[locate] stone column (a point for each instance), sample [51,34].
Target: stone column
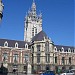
[28,69]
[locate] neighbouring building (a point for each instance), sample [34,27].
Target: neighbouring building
[37,49]
[1,9]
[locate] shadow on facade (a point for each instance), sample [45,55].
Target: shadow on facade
[3,70]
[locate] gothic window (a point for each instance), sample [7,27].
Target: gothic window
[26,58]
[5,56]
[47,58]
[6,44]
[35,31]
[32,49]
[55,59]
[32,32]
[38,48]
[38,58]
[47,46]
[63,60]
[70,60]
[15,58]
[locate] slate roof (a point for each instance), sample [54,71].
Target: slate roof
[11,43]
[40,36]
[59,47]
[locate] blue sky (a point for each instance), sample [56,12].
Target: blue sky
[58,19]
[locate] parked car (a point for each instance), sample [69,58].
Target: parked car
[68,72]
[73,70]
[48,73]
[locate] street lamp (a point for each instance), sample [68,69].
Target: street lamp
[1,9]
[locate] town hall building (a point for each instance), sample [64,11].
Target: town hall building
[37,52]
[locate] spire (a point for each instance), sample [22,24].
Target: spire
[33,6]
[40,15]
[33,9]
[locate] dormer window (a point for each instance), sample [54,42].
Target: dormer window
[16,45]
[6,44]
[62,49]
[55,49]
[69,50]
[26,46]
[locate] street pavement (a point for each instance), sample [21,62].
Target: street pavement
[20,74]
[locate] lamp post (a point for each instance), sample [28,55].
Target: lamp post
[1,9]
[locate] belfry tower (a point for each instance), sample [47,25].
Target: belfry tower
[33,23]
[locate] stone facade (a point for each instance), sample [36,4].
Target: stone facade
[14,57]
[64,57]
[37,51]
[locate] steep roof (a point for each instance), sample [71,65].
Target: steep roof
[40,36]
[59,47]
[11,43]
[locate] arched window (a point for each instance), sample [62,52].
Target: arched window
[69,50]
[35,31]
[26,45]
[55,49]
[62,49]
[6,44]
[16,45]
[47,46]
[15,58]
[5,56]
[32,32]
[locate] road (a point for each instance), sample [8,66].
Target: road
[20,74]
